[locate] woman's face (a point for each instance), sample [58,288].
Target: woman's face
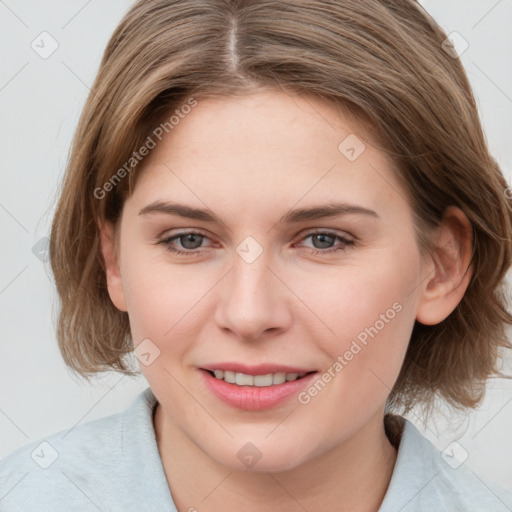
[302,259]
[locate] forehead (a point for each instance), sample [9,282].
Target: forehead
[266,123]
[270,148]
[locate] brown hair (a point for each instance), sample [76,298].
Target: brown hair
[382,60]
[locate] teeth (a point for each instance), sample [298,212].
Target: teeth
[229,377]
[244,380]
[279,378]
[263,380]
[270,379]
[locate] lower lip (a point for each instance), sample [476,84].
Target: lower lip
[253,398]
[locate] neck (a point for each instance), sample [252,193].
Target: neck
[353,476]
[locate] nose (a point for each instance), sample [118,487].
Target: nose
[254,302]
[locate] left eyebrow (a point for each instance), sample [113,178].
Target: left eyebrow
[324,211]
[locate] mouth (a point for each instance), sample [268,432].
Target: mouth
[255,388]
[266,380]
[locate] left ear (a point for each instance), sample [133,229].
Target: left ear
[448,275]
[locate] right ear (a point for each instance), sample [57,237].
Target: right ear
[112,271]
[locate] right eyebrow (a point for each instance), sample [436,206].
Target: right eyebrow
[180,210]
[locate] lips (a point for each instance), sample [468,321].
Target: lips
[255,387]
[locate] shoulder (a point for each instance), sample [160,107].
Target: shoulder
[425,478]
[66,461]
[90,467]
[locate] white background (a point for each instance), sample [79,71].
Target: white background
[40,101]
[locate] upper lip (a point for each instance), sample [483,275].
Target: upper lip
[258,369]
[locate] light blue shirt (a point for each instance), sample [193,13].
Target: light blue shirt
[113,464]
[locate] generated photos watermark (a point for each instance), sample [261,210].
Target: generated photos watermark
[357,345]
[150,143]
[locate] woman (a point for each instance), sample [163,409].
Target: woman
[288,212]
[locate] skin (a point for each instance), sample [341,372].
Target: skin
[250,160]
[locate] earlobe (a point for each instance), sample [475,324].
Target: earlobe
[449,272]
[112,270]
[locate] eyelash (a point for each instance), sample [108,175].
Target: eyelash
[345,243]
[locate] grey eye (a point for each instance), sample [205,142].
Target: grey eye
[188,242]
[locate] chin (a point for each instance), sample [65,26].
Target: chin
[258,456]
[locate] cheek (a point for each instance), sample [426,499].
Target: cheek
[162,299]
[368,314]
[151,296]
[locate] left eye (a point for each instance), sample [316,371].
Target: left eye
[192,240]
[324,241]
